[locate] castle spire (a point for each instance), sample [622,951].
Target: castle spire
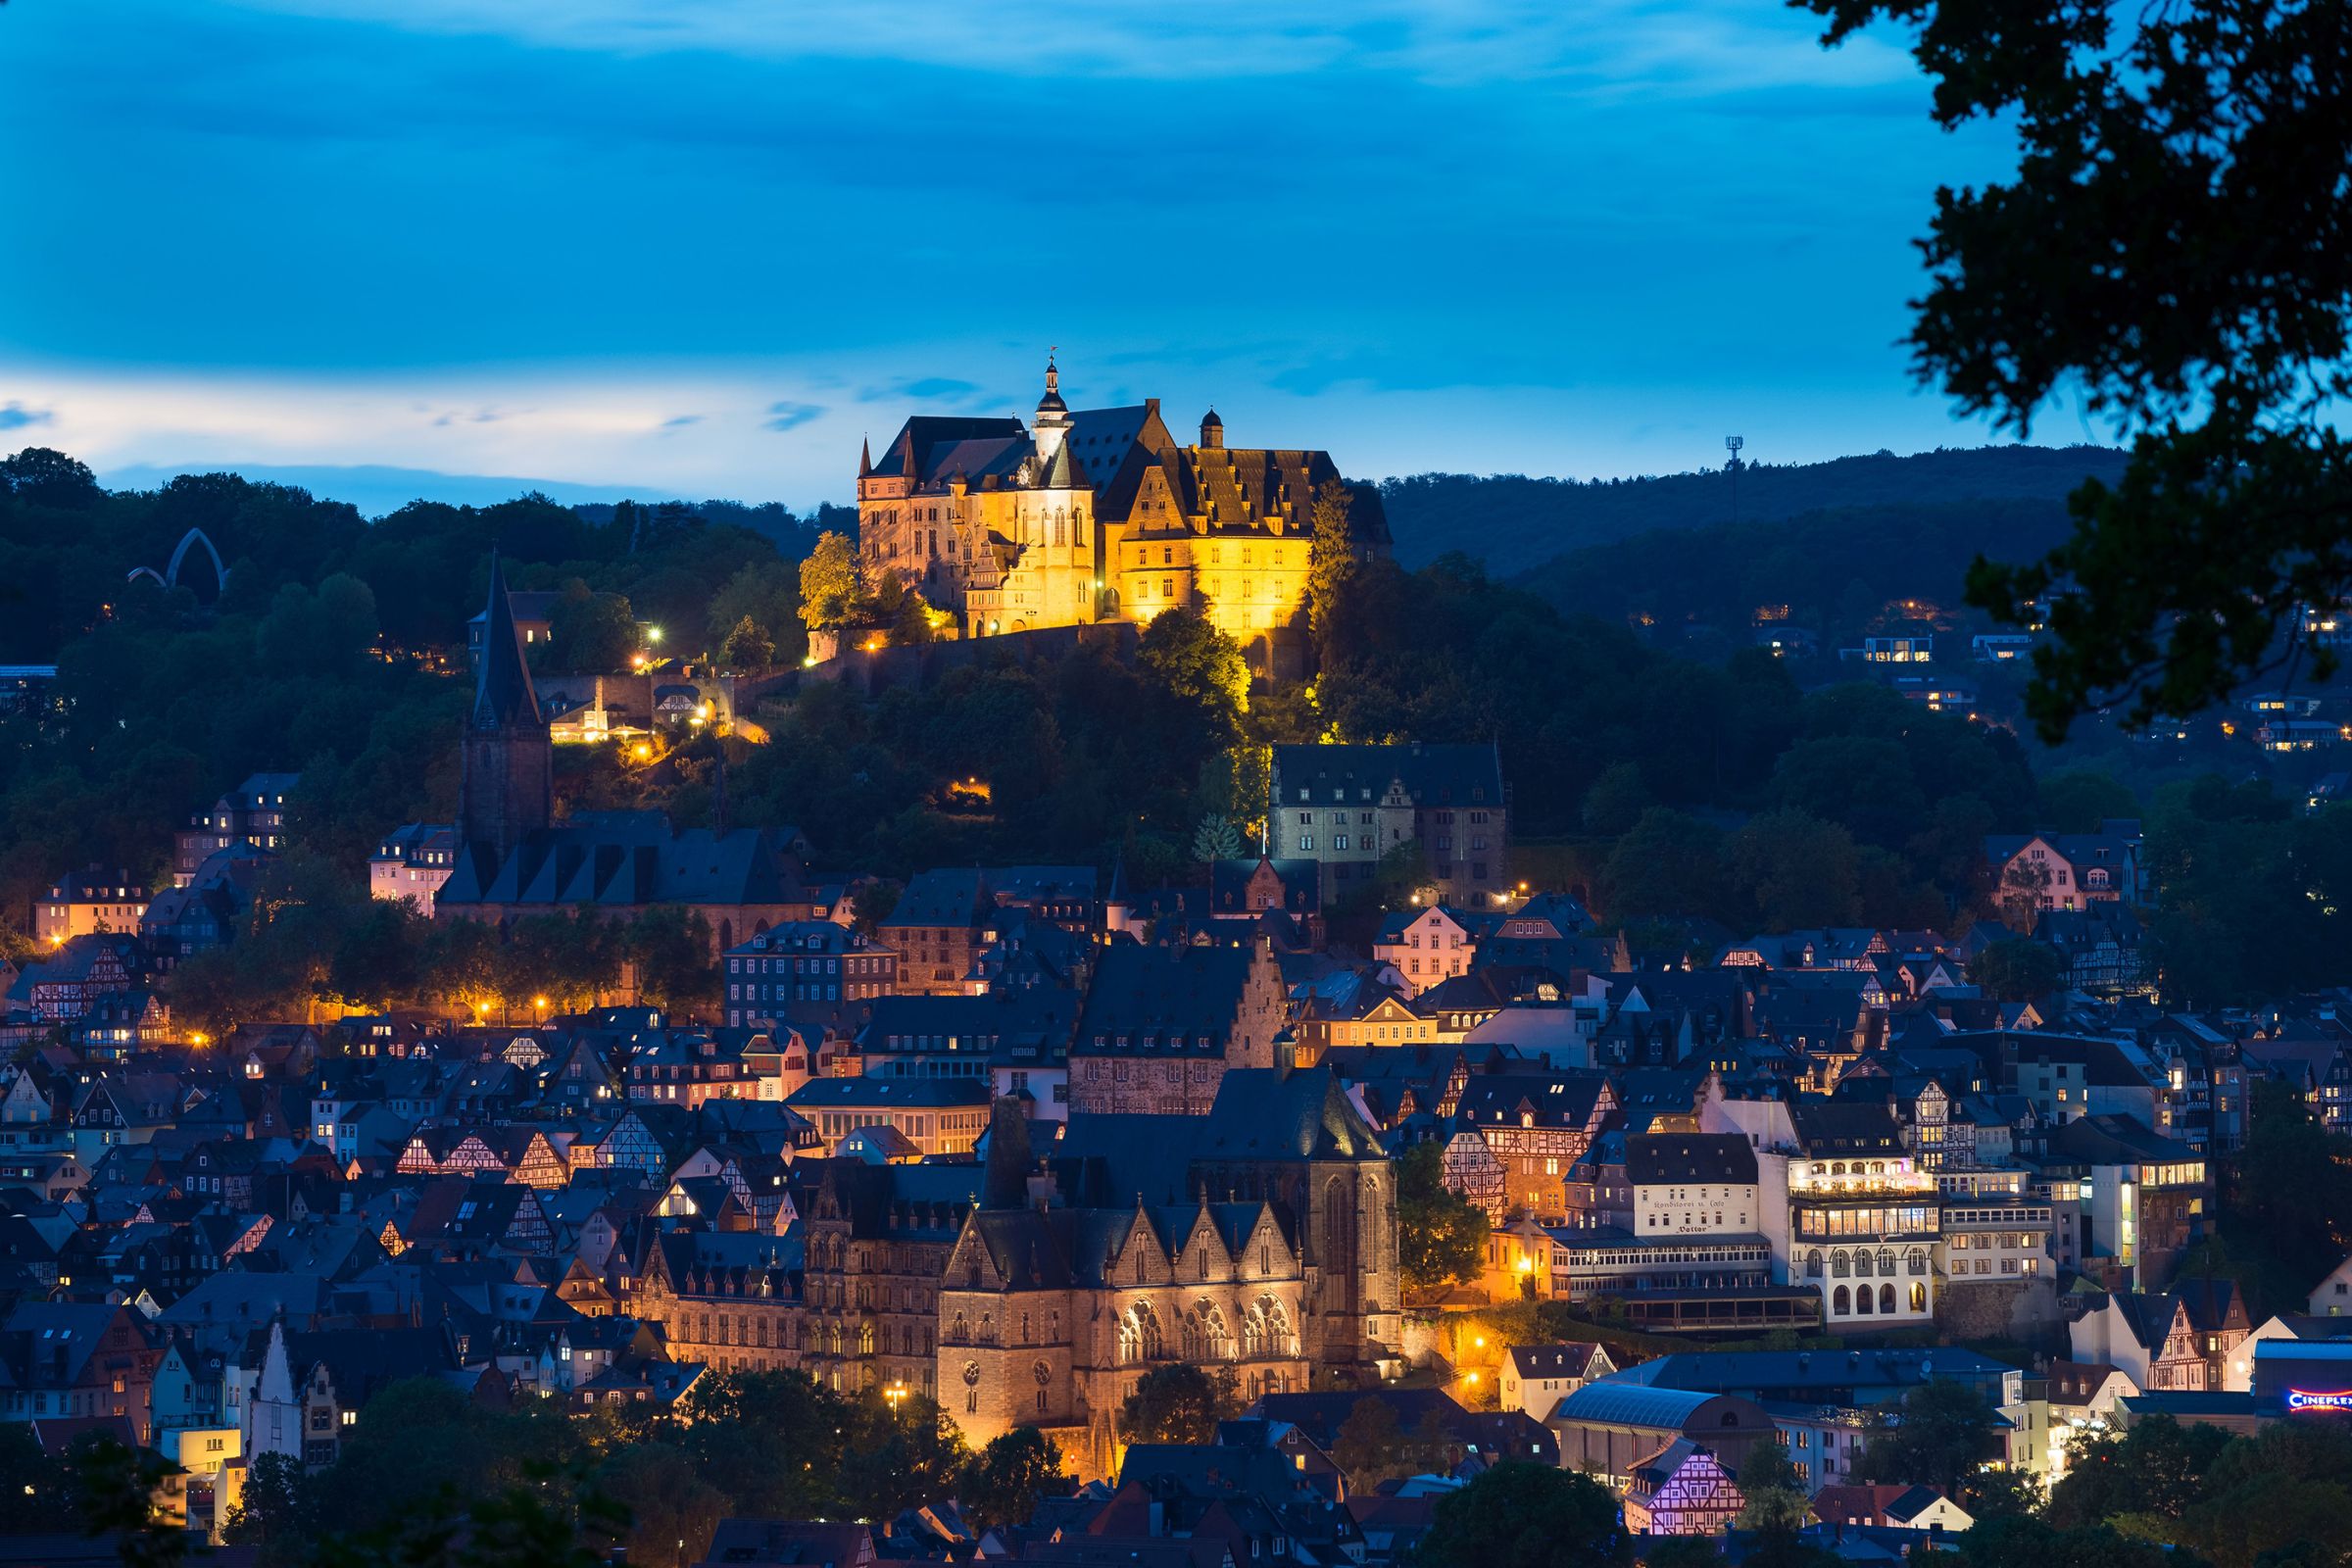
[865,457]
[1052,422]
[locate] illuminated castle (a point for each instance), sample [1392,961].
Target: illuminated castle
[1097,516]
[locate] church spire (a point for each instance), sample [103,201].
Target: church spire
[505,786]
[502,694]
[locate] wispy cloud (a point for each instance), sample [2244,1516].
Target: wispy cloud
[1699,42]
[790,416]
[16,416]
[681,421]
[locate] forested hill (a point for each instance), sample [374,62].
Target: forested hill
[1516,524]
[1836,572]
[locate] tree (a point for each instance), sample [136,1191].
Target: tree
[1797,872]
[273,1509]
[2017,969]
[872,902]
[1179,1402]
[1940,1435]
[897,1456]
[747,647]
[40,476]
[1441,1235]
[1669,865]
[2287,1199]
[2156,1470]
[670,950]
[1616,800]
[1004,1480]
[1184,653]
[831,585]
[2222,356]
[2079,800]
[766,593]
[1774,1496]
[1683,1551]
[1521,1515]
[1331,557]
[1216,839]
[591,632]
[2019,1541]
[2025,884]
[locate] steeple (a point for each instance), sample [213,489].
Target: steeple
[505,789]
[865,457]
[501,691]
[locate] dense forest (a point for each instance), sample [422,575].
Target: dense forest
[325,650]
[1516,524]
[1658,782]
[1837,572]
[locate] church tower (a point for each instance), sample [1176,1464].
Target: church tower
[507,789]
[1052,423]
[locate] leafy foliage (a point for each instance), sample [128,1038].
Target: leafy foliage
[2017,969]
[2137,128]
[1179,1402]
[1520,1515]
[1441,1235]
[1941,1435]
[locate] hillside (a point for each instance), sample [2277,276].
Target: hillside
[1516,524]
[1835,571]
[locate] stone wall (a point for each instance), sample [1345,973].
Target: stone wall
[1974,1309]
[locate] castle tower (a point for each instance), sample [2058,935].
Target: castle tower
[507,788]
[1213,432]
[1052,422]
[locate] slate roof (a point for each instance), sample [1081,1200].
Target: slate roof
[1432,774]
[629,858]
[1156,998]
[1690,1159]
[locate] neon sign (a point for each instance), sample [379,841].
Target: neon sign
[2316,1399]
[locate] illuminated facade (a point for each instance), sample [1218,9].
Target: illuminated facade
[1098,514]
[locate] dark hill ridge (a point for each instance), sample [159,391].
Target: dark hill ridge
[1833,571]
[1516,524]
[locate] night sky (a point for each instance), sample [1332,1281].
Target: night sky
[703,246]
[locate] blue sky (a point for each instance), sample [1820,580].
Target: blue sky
[703,246]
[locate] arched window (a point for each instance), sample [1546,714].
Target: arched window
[1813,1264]
[1886,1262]
[1917,1260]
[1862,1300]
[1841,1303]
[1842,1263]
[865,1339]
[1862,1261]
[1919,1297]
[1886,1298]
